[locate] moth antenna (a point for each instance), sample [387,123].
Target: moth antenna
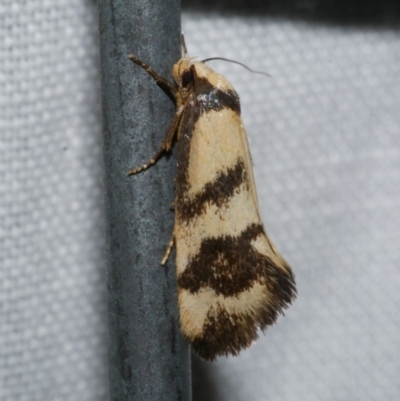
[184,48]
[236,62]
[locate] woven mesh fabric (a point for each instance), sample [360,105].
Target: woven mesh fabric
[52,296]
[325,138]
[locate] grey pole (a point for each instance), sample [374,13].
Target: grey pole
[148,357]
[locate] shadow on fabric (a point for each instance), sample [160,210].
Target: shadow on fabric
[380,13]
[203,386]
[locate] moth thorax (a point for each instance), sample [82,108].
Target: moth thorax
[181,72]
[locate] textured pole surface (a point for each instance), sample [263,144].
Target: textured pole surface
[148,357]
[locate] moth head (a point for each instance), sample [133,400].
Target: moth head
[183,73]
[187,73]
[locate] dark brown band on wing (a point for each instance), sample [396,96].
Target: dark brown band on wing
[204,98]
[210,98]
[216,192]
[230,265]
[227,333]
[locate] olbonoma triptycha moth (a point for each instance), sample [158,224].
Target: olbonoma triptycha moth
[232,280]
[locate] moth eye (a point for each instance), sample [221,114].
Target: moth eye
[187,78]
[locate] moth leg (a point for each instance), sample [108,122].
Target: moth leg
[168,250]
[164,83]
[166,145]
[148,164]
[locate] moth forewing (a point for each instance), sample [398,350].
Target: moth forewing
[231,279]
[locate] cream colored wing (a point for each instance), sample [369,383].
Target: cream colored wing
[231,279]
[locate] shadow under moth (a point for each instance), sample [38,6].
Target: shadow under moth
[232,280]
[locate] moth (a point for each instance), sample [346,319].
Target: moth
[232,281]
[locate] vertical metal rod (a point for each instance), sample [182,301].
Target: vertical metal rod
[148,357]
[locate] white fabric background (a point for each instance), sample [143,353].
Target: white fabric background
[52,295]
[325,137]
